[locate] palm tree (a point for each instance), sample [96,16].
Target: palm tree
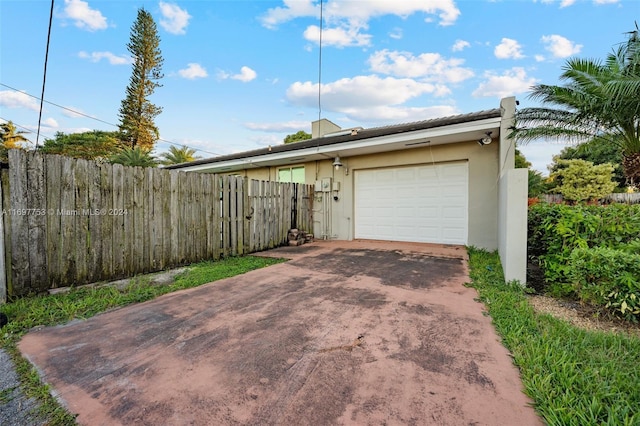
[598,101]
[134,157]
[11,136]
[178,155]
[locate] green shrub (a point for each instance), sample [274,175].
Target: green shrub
[580,180]
[555,230]
[608,278]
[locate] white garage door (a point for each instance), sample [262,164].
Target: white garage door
[427,203]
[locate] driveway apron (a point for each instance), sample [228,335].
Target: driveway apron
[344,333]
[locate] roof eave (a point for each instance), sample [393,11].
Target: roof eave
[454,133]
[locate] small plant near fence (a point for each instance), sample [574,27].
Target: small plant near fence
[607,277]
[590,253]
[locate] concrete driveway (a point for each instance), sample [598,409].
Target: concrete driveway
[363,333]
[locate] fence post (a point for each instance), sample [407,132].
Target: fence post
[3,271]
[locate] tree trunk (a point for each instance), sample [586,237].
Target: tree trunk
[631,167]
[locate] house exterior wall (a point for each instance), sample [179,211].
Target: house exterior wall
[483,182]
[513,224]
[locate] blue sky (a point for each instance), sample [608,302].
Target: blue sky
[243,74]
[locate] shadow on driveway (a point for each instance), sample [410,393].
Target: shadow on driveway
[343,333]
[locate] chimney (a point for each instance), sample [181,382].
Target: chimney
[323,126]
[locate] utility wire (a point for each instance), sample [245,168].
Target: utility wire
[59,106]
[97,119]
[320,67]
[16,124]
[28,130]
[44,74]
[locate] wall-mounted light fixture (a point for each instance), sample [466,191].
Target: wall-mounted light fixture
[486,140]
[337,163]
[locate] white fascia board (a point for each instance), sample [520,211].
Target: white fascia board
[330,151]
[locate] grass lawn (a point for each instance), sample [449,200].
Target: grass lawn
[575,377]
[85,302]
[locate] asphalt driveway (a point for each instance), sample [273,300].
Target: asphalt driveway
[344,333]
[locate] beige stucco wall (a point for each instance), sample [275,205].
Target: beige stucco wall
[483,186]
[266,173]
[512,213]
[512,232]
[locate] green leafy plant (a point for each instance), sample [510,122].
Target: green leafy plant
[555,230]
[608,278]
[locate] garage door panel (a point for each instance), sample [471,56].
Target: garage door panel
[428,212]
[426,172]
[405,213]
[453,213]
[427,203]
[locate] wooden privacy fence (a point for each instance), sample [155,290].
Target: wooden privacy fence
[624,198]
[71,222]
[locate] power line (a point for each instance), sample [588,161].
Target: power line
[320,67]
[59,106]
[28,130]
[44,74]
[99,120]
[16,124]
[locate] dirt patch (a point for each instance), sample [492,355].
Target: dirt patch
[581,315]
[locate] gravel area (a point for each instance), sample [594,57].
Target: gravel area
[581,315]
[15,408]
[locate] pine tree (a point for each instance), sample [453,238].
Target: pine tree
[137,113]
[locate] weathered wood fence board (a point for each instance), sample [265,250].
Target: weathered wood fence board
[623,198]
[71,222]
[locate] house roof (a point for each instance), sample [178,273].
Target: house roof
[458,128]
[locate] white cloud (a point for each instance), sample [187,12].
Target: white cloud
[343,36]
[346,20]
[51,122]
[84,16]
[559,46]
[364,98]
[245,75]
[288,126]
[567,3]
[539,58]
[563,3]
[396,34]
[508,49]
[460,45]
[13,99]
[510,83]
[292,9]
[427,66]
[193,71]
[370,99]
[112,58]
[175,19]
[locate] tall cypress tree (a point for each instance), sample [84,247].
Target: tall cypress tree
[137,113]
